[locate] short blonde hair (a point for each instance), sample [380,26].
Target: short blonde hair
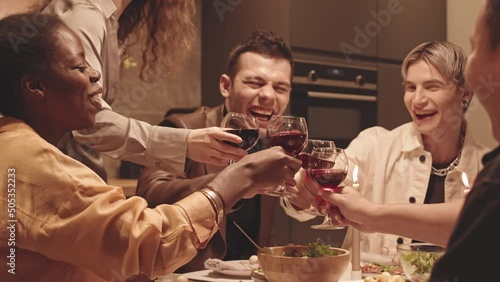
[446,57]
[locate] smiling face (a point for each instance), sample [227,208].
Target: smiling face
[70,86]
[482,71]
[433,102]
[261,87]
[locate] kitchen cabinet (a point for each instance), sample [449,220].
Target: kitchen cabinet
[407,23]
[385,29]
[391,108]
[224,24]
[373,30]
[333,26]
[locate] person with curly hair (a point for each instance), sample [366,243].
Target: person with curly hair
[107,28]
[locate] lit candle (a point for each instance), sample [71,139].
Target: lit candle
[356,250]
[465,180]
[355,177]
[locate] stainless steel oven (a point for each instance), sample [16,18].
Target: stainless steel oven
[338,101]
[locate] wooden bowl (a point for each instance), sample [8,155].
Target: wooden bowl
[279,268]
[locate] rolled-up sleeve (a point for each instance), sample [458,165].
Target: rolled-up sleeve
[128,139]
[115,135]
[112,235]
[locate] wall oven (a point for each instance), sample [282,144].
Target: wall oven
[338,101]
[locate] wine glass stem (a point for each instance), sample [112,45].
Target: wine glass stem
[281,188]
[328,217]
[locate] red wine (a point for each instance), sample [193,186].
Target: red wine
[249,136]
[291,141]
[328,178]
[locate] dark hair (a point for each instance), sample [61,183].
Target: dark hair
[264,43]
[168,28]
[27,46]
[492,15]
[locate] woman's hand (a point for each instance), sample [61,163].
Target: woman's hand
[207,145]
[256,172]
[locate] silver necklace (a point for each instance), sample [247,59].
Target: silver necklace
[454,163]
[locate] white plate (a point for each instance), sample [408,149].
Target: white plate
[236,264]
[212,276]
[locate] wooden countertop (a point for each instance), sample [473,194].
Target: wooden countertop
[128,185]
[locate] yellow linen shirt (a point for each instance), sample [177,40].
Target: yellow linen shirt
[68,225]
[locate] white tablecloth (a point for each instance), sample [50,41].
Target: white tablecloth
[210,276]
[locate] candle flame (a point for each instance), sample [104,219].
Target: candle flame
[355,174]
[465,180]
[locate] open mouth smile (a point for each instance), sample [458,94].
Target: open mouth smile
[261,114]
[424,114]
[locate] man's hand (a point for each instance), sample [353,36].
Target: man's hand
[352,207]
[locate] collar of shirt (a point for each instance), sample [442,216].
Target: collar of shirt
[108,8]
[413,140]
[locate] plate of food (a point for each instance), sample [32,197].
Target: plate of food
[391,272]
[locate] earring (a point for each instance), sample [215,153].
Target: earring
[465,105]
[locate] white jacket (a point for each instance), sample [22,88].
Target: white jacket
[395,168]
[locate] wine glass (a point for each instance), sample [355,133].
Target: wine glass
[310,145]
[304,157]
[328,168]
[245,126]
[290,133]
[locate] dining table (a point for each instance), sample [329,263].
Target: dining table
[208,275]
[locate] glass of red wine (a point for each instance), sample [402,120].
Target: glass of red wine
[245,126]
[328,168]
[308,149]
[319,206]
[290,133]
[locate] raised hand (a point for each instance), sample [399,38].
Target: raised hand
[207,145]
[260,170]
[354,208]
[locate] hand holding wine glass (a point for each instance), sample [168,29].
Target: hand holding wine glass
[290,133]
[317,206]
[328,168]
[245,126]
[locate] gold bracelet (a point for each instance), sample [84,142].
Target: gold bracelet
[219,196]
[216,202]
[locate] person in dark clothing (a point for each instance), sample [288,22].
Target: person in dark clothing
[474,245]
[257,83]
